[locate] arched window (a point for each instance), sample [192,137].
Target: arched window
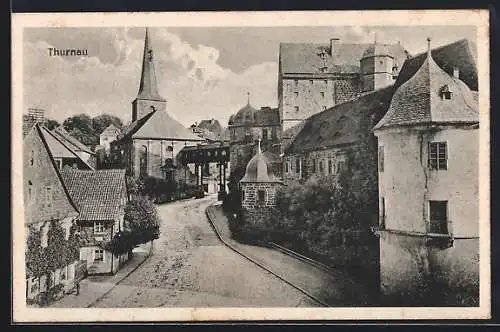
[32,158]
[143,160]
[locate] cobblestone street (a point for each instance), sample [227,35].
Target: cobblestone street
[191,267]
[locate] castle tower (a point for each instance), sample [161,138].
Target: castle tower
[258,187]
[148,99]
[376,67]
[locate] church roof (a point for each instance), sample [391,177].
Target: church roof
[246,114]
[460,54]
[419,100]
[158,125]
[148,88]
[99,195]
[258,170]
[304,58]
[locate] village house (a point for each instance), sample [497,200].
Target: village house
[108,135]
[33,116]
[249,125]
[46,199]
[314,77]
[258,189]
[63,152]
[428,186]
[150,144]
[101,197]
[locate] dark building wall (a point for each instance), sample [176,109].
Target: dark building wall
[141,107]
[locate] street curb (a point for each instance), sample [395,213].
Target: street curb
[119,281]
[207,213]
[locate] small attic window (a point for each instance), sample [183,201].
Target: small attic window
[446,92]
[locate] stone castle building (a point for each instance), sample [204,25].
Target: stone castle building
[258,189]
[428,186]
[246,127]
[150,144]
[314,77]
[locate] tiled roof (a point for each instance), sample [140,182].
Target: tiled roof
[340,124]
[419,101]
[246,114]
[99,195]
[211,125]
[304,57]
[290,134]
[250,116]
[158,125]
[460,54]
[76,144]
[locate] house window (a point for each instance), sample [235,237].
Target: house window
[286,167]
[32,158]
[261,196]
[314,165]
[242,195]
[438,217]
[324,107]
[311,81]
[321,167]
[296,82]
[381,158]
[438,156]
[446,92]
[322,94]
[99,227]
[30,191]
[99,255]
[48,196]
[143,161]
[296,94]
[58,163]
[326,82]
[330,166]
[297,165]
[264,133]
[382,213]
[296,108]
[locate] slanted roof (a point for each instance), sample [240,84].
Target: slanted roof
[110,130]
[304,57]
[460,54]
[340,124]
[75,144]
[158,125]
[419,100]
[61,148]
[267,116]
[99,195]
[259,170]
[148,88]
[212,125]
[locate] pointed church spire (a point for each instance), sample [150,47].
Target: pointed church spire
[148,89]
[429,55]
[259,150]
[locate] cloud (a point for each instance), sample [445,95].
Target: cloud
[189,76]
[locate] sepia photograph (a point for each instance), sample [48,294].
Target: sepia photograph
[208,166]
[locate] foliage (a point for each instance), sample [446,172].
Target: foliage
[122,242]
[50,124]
[142,219]
[87,129]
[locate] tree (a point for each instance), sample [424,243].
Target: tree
[51,124]
[142,219]
[101,122]
[80,127]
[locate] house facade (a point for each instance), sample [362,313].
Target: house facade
[107,136]
[101,197]
[83,151]
[428,190]
[46,200]
[150,144]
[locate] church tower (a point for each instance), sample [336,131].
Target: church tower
[376,67]
[148,98]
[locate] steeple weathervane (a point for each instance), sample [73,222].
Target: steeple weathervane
[429,46]
[259,151]
[248,98]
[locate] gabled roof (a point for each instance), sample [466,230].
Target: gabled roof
[99,195]
[75,144]
[59,147]
[110,130]
[304,57]
[419,100]
[158,125]
[340,125]
[36,133]
[460,54]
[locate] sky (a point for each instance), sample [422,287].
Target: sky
[203,72]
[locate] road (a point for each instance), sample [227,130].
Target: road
[190,267]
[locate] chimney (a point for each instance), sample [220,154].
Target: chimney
[334,42]
[456,72]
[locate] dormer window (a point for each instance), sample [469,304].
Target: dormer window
[446,92]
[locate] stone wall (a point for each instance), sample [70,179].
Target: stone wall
[250,194]
[141,107]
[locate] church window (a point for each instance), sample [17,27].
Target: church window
[314,165]
[330,168]
[321,167]
[297,165]
[286,167]
[261,196]
[143,161]
[438,217]
[438,156]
